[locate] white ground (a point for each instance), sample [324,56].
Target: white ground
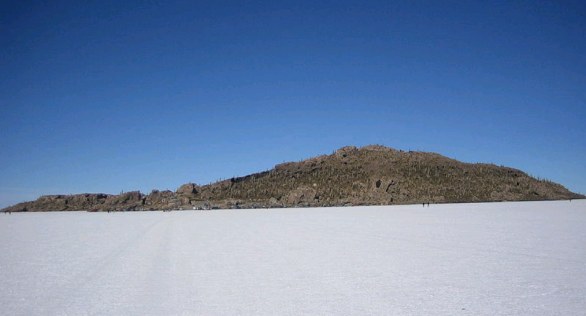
[467,259]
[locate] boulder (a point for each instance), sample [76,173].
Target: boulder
[302,195]
[188,189]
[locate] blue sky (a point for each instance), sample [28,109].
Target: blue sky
[105,96]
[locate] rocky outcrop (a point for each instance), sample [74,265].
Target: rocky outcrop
[129,201]
[302,196]
[162,200]
[370,175]
[188,189]
[74,202]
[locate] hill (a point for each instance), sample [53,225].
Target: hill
[371,175]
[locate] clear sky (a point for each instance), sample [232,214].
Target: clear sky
[105,96]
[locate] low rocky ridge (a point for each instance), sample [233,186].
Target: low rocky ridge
[371,175]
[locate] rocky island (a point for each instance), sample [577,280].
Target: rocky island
[370,175]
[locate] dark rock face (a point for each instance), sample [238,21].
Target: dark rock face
[370,175]
[188,189]
[129,201]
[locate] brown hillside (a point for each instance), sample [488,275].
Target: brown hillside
[370,175]
[381,175]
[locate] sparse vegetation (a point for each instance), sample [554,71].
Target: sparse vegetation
[371,175]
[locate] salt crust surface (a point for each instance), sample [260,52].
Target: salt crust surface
[519,258]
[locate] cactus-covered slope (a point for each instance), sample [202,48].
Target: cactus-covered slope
[369,175]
